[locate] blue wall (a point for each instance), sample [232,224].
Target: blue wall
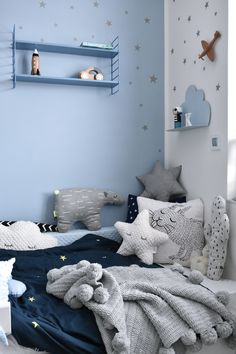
[56,136]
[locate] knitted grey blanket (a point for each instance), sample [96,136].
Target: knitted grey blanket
[144,310]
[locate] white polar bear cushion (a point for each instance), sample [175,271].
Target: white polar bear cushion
[182,222]
[24,236]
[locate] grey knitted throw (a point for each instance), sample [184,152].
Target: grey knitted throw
[144,310]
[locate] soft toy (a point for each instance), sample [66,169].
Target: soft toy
[24,236]
[140,238]
[91,73]
[84,205]
[218,239]
[177,112]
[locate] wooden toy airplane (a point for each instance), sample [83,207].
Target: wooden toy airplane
[208,47]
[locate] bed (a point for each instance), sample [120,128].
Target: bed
[44,323]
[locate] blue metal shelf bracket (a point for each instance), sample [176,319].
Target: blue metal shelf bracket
[14,56]
[115,73]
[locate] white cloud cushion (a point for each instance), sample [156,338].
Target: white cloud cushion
[5,275]
[182,222]
[140,238]
[24,236]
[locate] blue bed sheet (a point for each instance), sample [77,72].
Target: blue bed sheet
[42,321]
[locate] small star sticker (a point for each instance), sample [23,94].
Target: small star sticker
[20,27]
[174,88]
[137,67]
[72,7]
[198,33]
[218,87]
[184,61]
[147,20]
[189,18]
[145,127]
[215,13]
[42,40]
[55,25]
[194,62]
[140,105]
[137,47]
[206,4]
[96,4]
[130,82]
[204,68]
[126,12]
[75,39]
[31,299]
[184,41]
[42,4]
[172,51]
[63,258]
[93,36]
[153,78]
[108,23]
[178,18]
[35,324]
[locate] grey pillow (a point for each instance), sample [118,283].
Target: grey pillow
[162,183]
[84,205]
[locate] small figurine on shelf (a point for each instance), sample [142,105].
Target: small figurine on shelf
[188,119]
[35,63]
[177,111]
[92,73]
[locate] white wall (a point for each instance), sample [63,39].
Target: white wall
[204,172]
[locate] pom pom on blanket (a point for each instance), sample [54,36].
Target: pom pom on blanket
[166,351]
[85,293]
[176,267]
[209,336]
[189,338]
[118,342]
[223,297]
[196,347]
[82,263]
[196,277]
[94,271]
[101,295]
[224,330]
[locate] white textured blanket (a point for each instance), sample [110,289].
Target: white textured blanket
[143,310]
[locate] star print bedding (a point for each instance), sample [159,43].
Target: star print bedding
[42,321]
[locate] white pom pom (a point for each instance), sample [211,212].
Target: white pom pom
[101,295]
[196,277]
[189,338]
[53,274]
[176,267]
[196,347]
[209,336]
[166,351]
[82,263]
[223,297]
[94,271]
[120,342]
[85,293]
[224,330]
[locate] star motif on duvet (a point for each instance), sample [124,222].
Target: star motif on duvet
[35,324]
[31,299]
[63,258]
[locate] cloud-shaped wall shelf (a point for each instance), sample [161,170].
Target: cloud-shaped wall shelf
[196,104]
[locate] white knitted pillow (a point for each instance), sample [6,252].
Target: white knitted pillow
[5,275]
[25,236]
[182,222]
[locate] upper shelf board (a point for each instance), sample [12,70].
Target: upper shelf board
[63,49]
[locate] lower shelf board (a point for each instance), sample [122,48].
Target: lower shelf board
[65,81]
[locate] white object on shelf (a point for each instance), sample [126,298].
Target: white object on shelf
[5,317]
[188,119]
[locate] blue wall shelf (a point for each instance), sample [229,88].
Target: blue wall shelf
[112,54]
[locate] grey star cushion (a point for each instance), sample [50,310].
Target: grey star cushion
[161,183]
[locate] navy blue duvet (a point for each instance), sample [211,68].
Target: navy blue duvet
[42,321]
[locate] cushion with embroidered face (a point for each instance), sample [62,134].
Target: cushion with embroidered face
[24,236]
[183,223]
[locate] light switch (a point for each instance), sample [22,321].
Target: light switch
[215,142]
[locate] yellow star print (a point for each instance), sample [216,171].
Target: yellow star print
[31,299]
[35,324]
[63,258]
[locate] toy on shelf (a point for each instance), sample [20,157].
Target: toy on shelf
[177,111]
[92,73]
[208,47]
[35,63]
[188,119]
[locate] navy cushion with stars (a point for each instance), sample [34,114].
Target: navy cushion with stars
[133,205]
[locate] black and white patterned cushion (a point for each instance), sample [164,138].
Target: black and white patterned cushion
[43,227]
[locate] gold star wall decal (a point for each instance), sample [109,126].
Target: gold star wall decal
[147,20]
[35,324]
[31,298]
[63,258]
[153,78]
